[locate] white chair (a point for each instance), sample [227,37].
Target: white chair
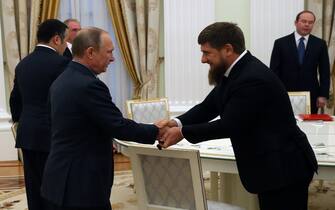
[148,111]
[301,102]
[170,180]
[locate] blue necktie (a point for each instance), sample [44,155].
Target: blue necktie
[301,50]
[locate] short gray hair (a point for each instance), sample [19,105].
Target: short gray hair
[67,21]
[87,37]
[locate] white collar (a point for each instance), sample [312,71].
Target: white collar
[47,46]
[69,46]
[298,36]
[226,74]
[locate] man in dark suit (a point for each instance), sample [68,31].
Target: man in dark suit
[74,27]
[79,170]
[273,156]
[28,103]
[300,58]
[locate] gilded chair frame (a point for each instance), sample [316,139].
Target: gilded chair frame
[130,103]
[306,94]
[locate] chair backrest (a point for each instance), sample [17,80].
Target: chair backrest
[148,111]
[301,102]
[167,179]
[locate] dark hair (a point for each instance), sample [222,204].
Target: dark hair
[220,33]
[49,29]
[302,12]
[88,37]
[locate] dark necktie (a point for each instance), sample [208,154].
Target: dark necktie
[301,50]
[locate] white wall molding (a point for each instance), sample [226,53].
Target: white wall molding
[186,81]
[7,144]
[270,20]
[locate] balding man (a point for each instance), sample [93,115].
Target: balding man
[301,61]
[74,27]
[79,171]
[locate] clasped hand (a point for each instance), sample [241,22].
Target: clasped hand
[169,133]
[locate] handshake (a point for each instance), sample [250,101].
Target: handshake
[169,133]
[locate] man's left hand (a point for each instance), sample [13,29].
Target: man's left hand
[321,102]
[171,137]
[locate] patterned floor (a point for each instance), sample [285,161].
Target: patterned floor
[124,198]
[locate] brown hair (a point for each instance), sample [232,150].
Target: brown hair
[302,12]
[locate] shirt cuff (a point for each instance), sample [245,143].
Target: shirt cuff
[178,122]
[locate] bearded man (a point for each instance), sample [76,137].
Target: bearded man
[273,156]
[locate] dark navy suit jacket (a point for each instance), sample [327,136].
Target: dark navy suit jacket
[284,62]
[79,169]
[255,113]
[67,53]
[29,97]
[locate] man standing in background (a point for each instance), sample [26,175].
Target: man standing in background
[74,27]
[28,104]
[301,61]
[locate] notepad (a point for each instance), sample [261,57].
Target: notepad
[323,117]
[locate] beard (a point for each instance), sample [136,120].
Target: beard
[216,73]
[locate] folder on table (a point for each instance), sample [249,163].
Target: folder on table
[323,117]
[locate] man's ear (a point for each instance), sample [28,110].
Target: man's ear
[90,52]
[56,40]
[228,48]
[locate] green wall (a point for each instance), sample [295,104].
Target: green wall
[236,11]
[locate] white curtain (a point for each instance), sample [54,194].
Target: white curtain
[95,13]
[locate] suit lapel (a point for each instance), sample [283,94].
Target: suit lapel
[67,53]
[224,90]
[309,48]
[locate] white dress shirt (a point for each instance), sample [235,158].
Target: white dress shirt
[297,39]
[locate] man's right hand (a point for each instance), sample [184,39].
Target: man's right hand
[164,126]
[168,123]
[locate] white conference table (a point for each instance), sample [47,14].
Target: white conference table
[217,156]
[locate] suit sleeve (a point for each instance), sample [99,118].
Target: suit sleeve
[244,106]
[103,112]
[324,71]
[15,101]
[275,59]
[203,112]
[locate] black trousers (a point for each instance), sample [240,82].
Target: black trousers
[34,162]
[294,197]
[51,206]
